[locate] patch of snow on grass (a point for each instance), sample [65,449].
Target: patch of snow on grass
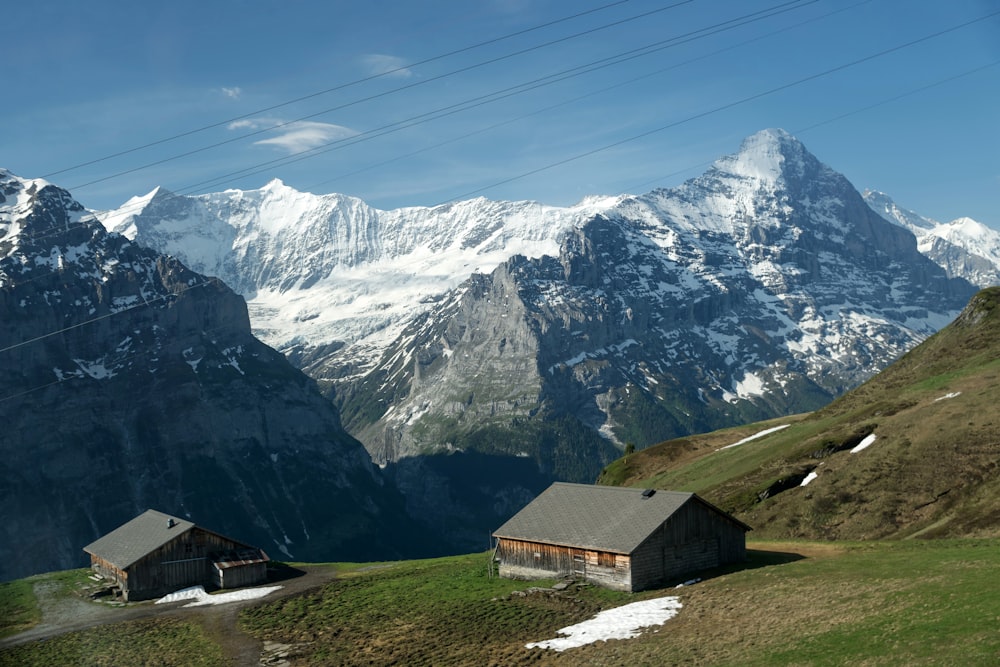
[767,431]
[201,598]
[864,444]
[948,395]
[623,622]
[810,477]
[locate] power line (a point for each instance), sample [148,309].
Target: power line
[303,98]
[598,91]
[704,32]
[465,105]
[833,119]
[511,91]
[376,96]
[827,121]
[723,107]
[521,88]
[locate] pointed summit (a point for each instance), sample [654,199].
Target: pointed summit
[275,184]
[769,155]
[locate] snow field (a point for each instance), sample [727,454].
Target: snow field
[810,477]
[623,622]
[201,598]
[761,434]
[864,444]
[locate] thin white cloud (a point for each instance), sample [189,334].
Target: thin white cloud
[304,135]
[233,93]
[378,63]
[243,125]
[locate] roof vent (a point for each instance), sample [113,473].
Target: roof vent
[648,493]
[170,522]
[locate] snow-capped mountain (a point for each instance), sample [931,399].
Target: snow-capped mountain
[128,381]
[963,247]
[331,272]
[768,232]
[544,338]
[762,287]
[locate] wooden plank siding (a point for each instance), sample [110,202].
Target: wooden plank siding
[239,576]
[183,561]
[534,560]
[694,538]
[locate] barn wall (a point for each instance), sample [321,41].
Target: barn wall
[694,538]
[108,570]
[533,560]
[182,562]
[240,575]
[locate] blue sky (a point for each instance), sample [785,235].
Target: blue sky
[208,84]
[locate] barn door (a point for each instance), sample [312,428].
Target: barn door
[579,563]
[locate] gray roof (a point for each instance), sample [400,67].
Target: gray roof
[605,518]
[128,543]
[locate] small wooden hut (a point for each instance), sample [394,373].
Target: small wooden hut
[621,538]
[155,554]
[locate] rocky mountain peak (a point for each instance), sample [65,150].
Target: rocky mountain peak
[770,155]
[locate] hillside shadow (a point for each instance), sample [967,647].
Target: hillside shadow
[278,572]
[756,559]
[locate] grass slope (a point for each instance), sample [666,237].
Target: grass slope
[878,603]
[18,607]
[931,471]
[146,642]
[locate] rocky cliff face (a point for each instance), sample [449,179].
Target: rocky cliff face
[129,382]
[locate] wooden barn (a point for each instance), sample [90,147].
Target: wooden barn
[621,538]
[155,554]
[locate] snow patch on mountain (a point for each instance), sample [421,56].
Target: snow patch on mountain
[974,236]
[321,269]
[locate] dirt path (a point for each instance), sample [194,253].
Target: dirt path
[63,613]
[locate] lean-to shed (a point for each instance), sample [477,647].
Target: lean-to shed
[155,554]
[621,538]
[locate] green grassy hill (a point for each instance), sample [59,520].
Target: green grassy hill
[931,470]
[880,603]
